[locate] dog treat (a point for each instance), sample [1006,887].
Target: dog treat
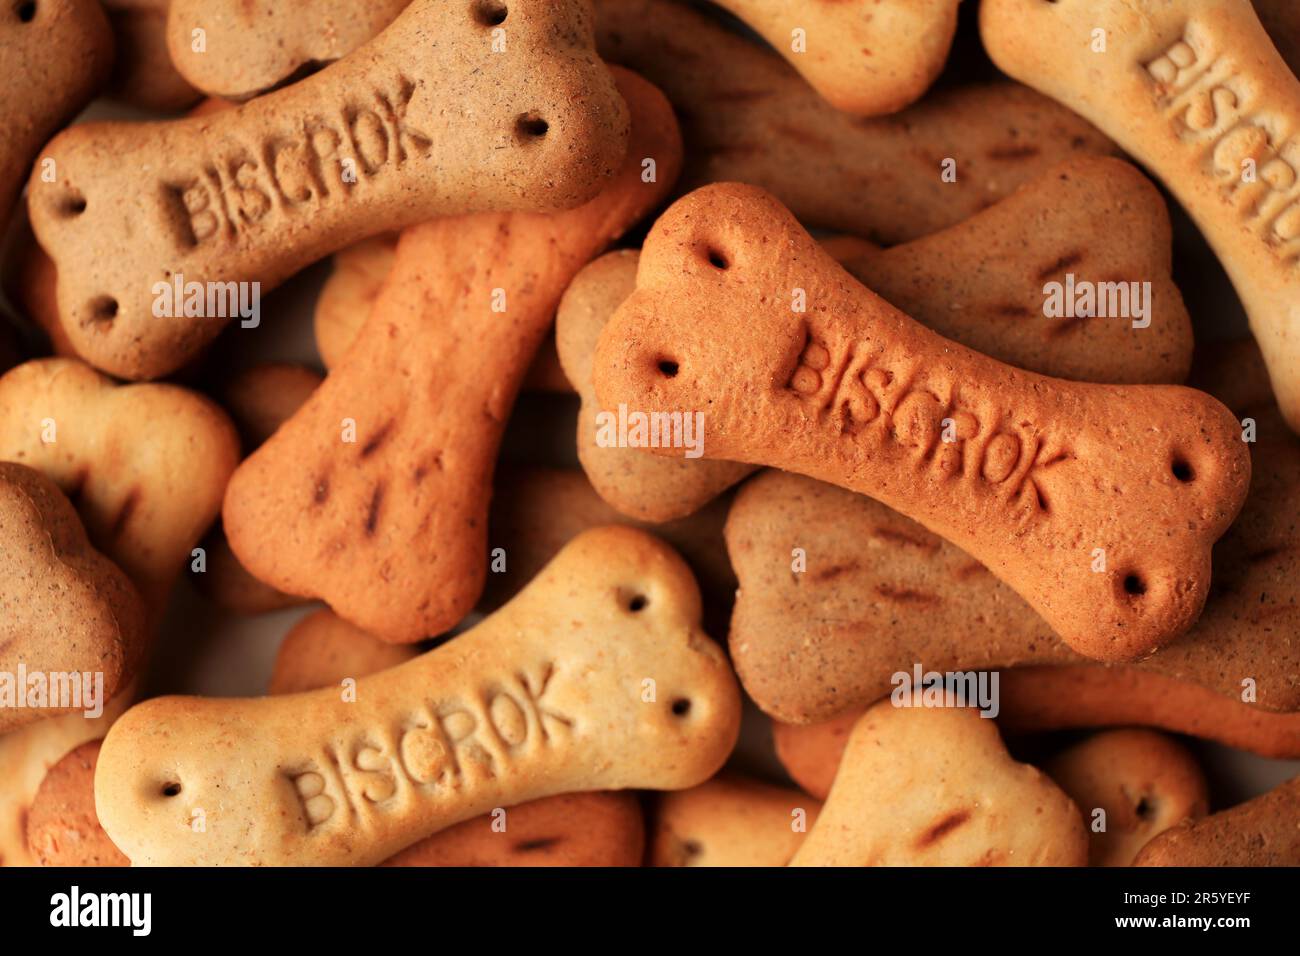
[64,607]
[323,649]
[26,756]
[1264,831]
[1142,782]
[748,117]
[1037,478]
[241,51]
[981,283]
[537,511]
[730,821]
[55,55]
[398,133]
[1197,92]
[350,292]
[936,787]
[595,677]
[1281,18]
[811,645]
[636,484]
[145,494]
[259,400]
[1092,226]
[143,72]
[374,496]
[1072,697]
[867,57]
[570,829]
[62,828]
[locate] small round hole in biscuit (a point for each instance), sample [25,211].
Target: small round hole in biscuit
[1134,585]
[668,368]
[531,126]
[1182,470]
[637,602]
[26,11]
[717,259]
[72,205]
[490,13]
[681,706]
[103,310]
[171,789]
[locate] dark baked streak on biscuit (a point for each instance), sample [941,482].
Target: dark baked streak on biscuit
[124,513]
[941,829]
[894,536]
[1021,151]
[541,843]
[322,491]
[835,571]
[370,447]
[906,595]
[1067,261]
[372,513]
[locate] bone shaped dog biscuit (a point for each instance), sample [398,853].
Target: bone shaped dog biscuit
[595,677]
[1035,477]
[397,133]
[1196,91]
[429,385]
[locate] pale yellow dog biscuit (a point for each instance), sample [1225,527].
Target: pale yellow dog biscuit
[596,676]
[1131,786]
[924,786]
[1195,90]
[1264,831]
[865,57]
[399,132]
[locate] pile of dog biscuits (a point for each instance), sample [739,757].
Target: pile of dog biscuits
[821,365]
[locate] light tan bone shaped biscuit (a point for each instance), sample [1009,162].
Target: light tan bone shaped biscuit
[237,50]
[146,464]
[1039,699]
[936,787]
[396,134]
[866,57]
[982,282]
[747,116]
[391,529]
[65,609]
[350,292]
[537,511]
[260,399]
[730,821]
[641,486]
[55,54]
[143,72]
[575,829]
[548,695]
[1264,831]
[1039,475]
[1196,91]
[587,829]
[1144,782]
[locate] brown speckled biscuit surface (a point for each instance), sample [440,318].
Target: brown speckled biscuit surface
[1264,831]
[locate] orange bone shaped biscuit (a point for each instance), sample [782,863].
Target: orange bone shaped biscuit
[391,529]
[1098,504]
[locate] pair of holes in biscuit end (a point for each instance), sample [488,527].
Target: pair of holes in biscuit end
[636,602]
